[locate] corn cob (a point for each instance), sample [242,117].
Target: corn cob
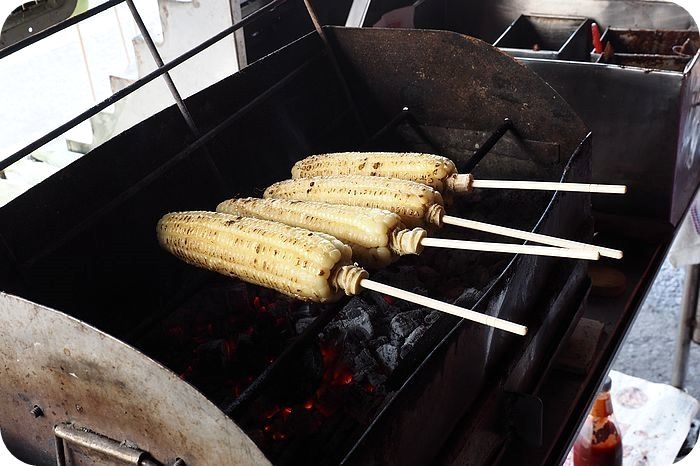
[297,262]
[364,230]
[294,261]
[387,238]
[378,232]
[434,170]
[417,204]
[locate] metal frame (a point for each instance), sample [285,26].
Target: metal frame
[687,325]
[161,70]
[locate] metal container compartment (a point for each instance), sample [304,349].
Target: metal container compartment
[643,119]
[669,50]
[552,37]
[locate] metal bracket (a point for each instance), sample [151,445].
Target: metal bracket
[524,414]
[102,445]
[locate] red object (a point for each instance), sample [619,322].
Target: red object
[599,442]
[595,32]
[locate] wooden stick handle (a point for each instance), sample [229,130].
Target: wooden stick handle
[526,235]
[551,186]
[589,254]
[445,307]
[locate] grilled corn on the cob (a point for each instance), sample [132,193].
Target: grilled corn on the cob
[417,204]
[297,262]
[434,170]
[377,231]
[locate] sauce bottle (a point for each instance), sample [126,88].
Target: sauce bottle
[599,442]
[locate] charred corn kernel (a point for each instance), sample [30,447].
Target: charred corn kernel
[430,169]
[294,261]
[417,204]
[373,258]
[363,226]
[376,236]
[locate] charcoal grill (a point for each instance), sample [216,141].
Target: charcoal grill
[90,299]
[641,106]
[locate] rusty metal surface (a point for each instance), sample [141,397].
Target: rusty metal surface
[488,19]
[653,62]
[650,41]
[75,373]
[475,91]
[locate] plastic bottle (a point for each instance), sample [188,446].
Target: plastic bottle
[599,442]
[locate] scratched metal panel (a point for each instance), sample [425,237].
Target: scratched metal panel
[78,374]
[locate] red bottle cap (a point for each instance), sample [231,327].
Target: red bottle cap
[595,32]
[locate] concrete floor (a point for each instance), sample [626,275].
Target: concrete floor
[649,347]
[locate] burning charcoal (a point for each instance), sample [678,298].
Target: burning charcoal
[431,318]
[377,342]
[411,341]
[364,363]
[236,294]
[350,310]
[376,379]
[352,319]
[307,309]
[404,323]
[303,323]
[388,355]
[213,352]
[420,290]
[299,378]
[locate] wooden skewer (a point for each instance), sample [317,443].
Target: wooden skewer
[579,253]
[552,186]
[526,235]
[444,307]
[466,182]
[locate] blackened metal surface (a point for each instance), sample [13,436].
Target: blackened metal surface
[488,431]
[414,61]
[634,116]
[78,374]
[484,148]
[472,361]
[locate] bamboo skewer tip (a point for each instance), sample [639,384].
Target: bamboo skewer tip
[442,306]
[579,253]
[529,236]
[550,186]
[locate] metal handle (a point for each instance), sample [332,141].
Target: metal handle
[106,446]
